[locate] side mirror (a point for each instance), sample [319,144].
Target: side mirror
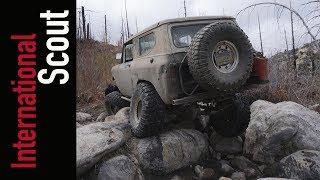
[119,56]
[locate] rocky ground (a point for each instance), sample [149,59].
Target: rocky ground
[281,141]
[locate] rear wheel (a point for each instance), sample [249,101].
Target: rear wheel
[147,111]
[232,119]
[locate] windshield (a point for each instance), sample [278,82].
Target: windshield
[182,35]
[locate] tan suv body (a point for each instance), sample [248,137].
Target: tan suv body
[155,54]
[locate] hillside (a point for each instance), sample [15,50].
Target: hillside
[94,62]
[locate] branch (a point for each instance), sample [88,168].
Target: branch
[311,2]
[291,10]
[314,17]
[313,11]
[318,32]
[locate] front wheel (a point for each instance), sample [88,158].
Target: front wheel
[147,111]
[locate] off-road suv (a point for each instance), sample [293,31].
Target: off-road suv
[195,60]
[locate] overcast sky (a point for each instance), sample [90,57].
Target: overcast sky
[148,12]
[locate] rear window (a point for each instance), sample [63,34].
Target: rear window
[182,35]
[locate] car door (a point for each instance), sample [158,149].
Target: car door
[124,72]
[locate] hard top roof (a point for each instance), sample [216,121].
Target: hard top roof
[177,20]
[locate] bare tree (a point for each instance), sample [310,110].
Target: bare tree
[292,36]
[83,22]
[185,8]
[261,43]
[122,29]
[285,36]
[317,44]
[137,29]
[127,21]
[315,15]
[105,28]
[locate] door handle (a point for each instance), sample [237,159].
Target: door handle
[151,60]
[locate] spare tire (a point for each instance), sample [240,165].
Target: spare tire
[220,57]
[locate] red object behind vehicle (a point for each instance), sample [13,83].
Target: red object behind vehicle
[260,68]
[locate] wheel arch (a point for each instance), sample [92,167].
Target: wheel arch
[160,90]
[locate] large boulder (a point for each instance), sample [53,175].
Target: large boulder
[121,118]
[277,130]
[170,151]
[120,167]
[304,164]
[226,145]
[83,117]
[93,142]
[238,176]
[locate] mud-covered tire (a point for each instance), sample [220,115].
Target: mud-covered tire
[114,102]
[202,60]
[147,111]
[233,119]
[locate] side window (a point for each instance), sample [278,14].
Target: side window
[146,43]
[128,56]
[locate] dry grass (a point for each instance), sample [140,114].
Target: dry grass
[94,62]
[285,86]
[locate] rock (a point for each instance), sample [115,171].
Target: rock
[94,141]
[120,120]
[122,116]
[271,170]
[250,172]
[176,177]
[109,118]
[214,154]
[315,107]
[204,173]
[242,163]
[262,167]
[120,167]
[83,117]
[78,124]
[304,164]
[207,173]
[198,169]
[226,169]
[170,151]
[226,145]
[238,176]
[245,165]
[277,130]
[224,178]
[102,117]
[230,156]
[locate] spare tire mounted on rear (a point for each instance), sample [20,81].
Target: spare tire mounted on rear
[220,57]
